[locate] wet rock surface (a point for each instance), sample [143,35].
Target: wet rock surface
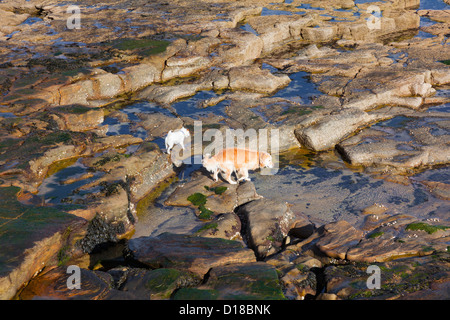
[406,279]
[237,281]
[360,103]
[196,254]
[33,235]
[266,225]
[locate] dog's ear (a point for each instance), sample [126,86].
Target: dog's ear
[267,159]
[262,157]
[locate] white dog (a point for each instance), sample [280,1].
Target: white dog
[176,137]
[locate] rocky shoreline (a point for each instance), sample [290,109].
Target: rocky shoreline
[84,113]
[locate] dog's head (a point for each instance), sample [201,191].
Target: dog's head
[185,132]
[209,163]
[265,160]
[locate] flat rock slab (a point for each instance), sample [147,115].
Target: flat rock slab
[202,183]
[396,236]
[266,223]
[400,237]
[93,285]
[338,238]
[185,252]
[254,79]
[157,284]
[226,226]
[439,189]
[30,236]
[330,130]
[403,142]
[256,281]
[424,278]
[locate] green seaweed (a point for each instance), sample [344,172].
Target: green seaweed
[375,234]
[143,46]
[21,226]
[205,214]
[252,282]
[430,229]
[220,190]
[197,199]
[50,139]
[217,190]
[208,226]
[163,282]
[63,256]
[428,249]
[161,279]
[302,267]
[106,159]
[196,294]
[296,110]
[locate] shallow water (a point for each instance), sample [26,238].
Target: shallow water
[190,107]
[56,191]
[327,189]
[269,12]
[300,89]
[433,5]
[247,27]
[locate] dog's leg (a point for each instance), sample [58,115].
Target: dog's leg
[216,175]
[227,177]
[239,175]
[247,178]
[169,147]
[244,175]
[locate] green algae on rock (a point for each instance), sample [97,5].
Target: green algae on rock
[240,281]
[428,228]
[31,237]
[144,47]
[158,283]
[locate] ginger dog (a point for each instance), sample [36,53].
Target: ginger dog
[236,160]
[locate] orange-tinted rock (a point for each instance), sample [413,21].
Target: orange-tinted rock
[338,238]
